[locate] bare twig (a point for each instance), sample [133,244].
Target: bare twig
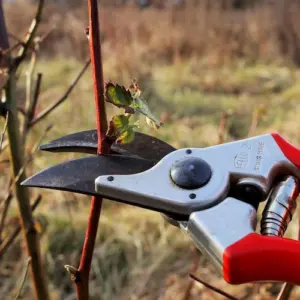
[254,123]
[3,131]
[32,105]
[30,34]
[257,114]
[194,268]
[7,51]
[285,291]
[8,241]
[21,110]
[222,127]
[219,291]
[29,93]
[4,42]
[36,94]
[15,37]
[49,109]
[67,203]
[5,144]
[25,273]
[29,158]
[46,34]
[4,161]
[7,202]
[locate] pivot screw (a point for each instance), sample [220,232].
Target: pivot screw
[190,173]
[110,178]
[192,196]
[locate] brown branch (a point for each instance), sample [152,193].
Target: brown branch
[30,34]
[5,161]
[285,291]
[4,145]
[12,48]
[29,95]
[8,241]
[32,243]
[15,37]
[4,42]
[254,123]
[36,94]
[68,205]
[21,110]
[3,131]
[29,157]
[49,109]
[194,268]
[219,291]
[222,127]
[257,114]
[46,34]
[82,275]
[7,202]
[32,105]
[24,277]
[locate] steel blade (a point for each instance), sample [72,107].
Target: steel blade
[78,175]
[143,145]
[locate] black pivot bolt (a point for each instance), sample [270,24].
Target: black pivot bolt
[191,173]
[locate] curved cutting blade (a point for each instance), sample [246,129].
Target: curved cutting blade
[143,145]
[78,175]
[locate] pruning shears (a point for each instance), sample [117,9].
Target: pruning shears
[211,193]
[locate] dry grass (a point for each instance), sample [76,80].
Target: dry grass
[192,65]
[268,31]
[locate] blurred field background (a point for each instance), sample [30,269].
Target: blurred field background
[197,63]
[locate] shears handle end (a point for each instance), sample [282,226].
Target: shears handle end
[291,152]
[262,258]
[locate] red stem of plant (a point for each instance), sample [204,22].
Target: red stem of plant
[96,60]
[82,278]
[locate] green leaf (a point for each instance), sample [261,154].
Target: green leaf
[118,125]
[120,130]
[118,95]
[126,137]
[121,122]
[141,106]
[151,123]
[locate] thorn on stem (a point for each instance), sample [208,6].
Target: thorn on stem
[73,273]
[87,32]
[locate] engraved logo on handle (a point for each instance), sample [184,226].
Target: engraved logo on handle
[242,157]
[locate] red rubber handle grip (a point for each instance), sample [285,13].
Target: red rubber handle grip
[291,152]
[262,258]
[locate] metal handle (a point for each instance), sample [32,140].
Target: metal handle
[280,207]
